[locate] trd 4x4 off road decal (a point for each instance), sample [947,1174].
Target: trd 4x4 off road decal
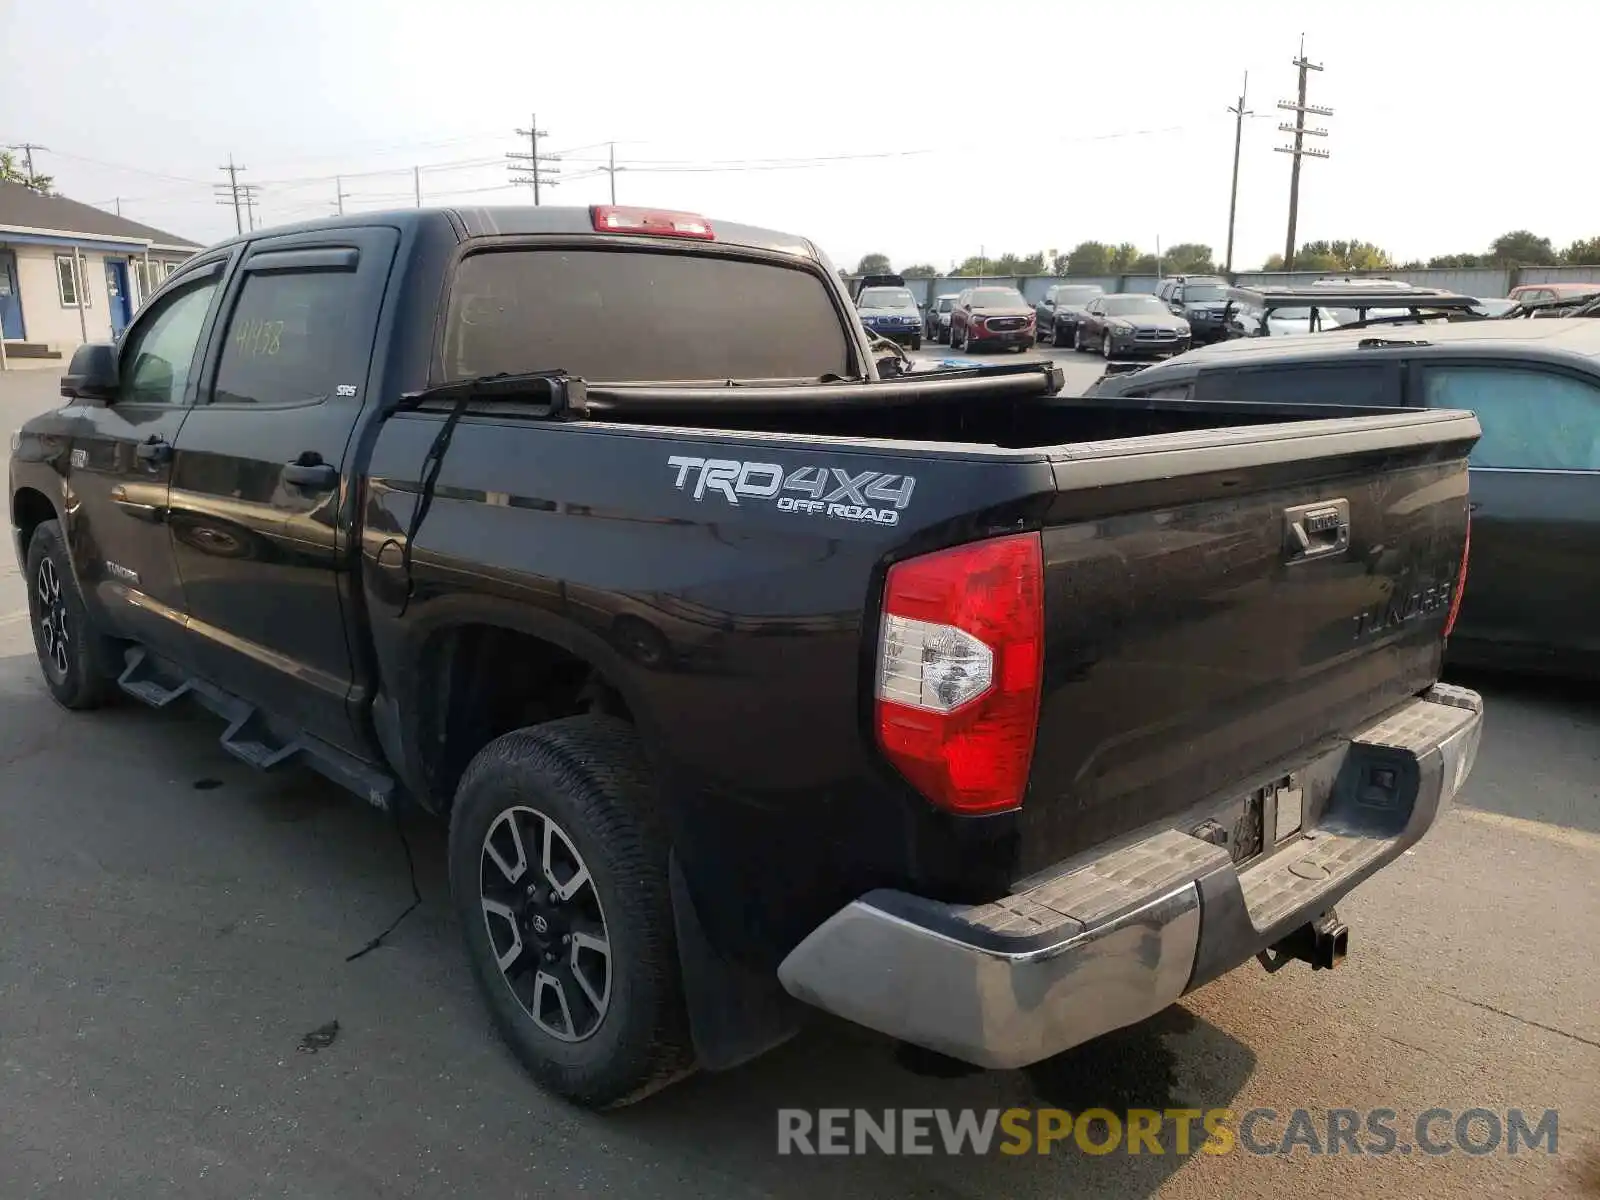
[816,491]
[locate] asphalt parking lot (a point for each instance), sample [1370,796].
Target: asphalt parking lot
[172,926]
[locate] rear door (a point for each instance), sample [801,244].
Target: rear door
[1535,575]
[258,483]
[121,465]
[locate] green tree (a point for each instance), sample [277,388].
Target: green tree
[1002,266]
[1458,261]
[1123,257]
[1089,258]
[1188,258]
[873,264]
[1584,252]
[1343,256]
[14,172]
[1521,248]
[920,271]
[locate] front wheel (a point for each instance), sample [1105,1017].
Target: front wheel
[916,343]
[1077,341]
[558,871]
[1105,346]
[77,662]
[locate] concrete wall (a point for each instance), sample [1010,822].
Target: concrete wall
[1467,281]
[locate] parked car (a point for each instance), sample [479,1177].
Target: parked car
[1330,304]
[1568,302]
[936,318]
[863,282]
[1129,324]
[746,678]
[1058,314]
[1534,294]
[1201,300]
[1494,306]
[1529,604]
[891,312]
[991,316]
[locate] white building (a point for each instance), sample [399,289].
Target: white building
[71,273]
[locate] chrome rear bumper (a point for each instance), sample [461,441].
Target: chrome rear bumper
[1113,940]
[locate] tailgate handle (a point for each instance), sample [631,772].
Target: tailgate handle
[1316,530]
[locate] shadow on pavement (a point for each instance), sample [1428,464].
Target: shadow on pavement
[1540,758]
[1172,1061]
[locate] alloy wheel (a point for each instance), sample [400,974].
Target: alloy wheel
[546,924]
[53,619]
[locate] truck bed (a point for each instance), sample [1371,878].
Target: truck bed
[1186,657]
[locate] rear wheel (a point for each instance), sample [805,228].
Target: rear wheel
[558,871]
[78,664]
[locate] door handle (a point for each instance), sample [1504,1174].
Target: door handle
[1316,530]
[1474,505]
[309,471]
[153,450]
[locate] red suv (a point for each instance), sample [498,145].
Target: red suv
[985,315]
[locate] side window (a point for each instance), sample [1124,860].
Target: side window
[1365,385]
[160,349]
[285,338]
[1532,420]
[1167,391]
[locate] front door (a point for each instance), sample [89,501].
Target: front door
[121,467]
[257,494]
[117,295]
[10,298]
[1534,572]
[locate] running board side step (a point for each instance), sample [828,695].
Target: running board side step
[249,736]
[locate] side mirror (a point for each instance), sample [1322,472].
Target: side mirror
[92,374]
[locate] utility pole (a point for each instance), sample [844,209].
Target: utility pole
[1299,149]
[118,202]
[1240,112]
[27,149]
[247,192]
[612,168]
[229,193]
[339,194]
[531,165]
[416,184]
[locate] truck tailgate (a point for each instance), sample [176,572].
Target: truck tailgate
[1220,605]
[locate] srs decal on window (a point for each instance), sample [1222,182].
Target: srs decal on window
[834,492]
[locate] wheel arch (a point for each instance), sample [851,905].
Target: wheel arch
[30,508]
[482,669]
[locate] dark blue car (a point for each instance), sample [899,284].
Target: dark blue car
[891,312]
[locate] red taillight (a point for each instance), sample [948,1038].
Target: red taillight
[960,662]
[1461,580]
[608,218]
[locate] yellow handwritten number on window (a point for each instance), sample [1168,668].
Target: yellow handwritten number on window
[259,337]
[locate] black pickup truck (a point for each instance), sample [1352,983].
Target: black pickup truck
[747,676]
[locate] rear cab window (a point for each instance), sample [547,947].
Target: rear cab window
[613,315]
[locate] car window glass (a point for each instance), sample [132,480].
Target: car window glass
[1169,391]
[160,349]
[609,315]
[1532,420]
[1363,384]
[283,341]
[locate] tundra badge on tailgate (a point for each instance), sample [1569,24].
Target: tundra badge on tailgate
[871,496]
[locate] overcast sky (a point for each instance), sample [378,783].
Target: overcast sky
[1015,127]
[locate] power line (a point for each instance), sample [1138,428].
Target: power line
[1299,149]
[27,149]
[532,166]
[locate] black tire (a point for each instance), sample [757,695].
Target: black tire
[78,664]
[1105,345]
[916,343]
[1077,339]
[588,776]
